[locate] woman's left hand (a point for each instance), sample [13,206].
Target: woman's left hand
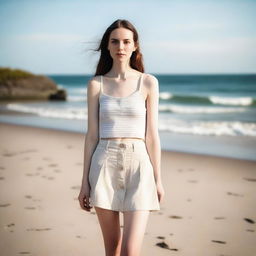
[160,191]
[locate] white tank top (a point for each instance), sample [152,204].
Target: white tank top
[122,116]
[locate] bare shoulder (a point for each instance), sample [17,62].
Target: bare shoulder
[93,85]
[151,82]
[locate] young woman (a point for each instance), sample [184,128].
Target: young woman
[122,147]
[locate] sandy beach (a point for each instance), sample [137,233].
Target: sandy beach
[209,208]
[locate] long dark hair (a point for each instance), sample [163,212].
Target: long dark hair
[105,62]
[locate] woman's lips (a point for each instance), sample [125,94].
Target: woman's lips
[120,54]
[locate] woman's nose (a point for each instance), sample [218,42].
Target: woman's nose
[121,45]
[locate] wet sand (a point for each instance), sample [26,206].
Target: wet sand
[209,208]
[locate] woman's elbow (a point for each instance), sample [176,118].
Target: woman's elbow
[152,137]
[92,136]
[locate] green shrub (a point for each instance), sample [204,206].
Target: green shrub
[7,74]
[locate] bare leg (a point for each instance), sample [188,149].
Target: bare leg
[110,227]
[135,223]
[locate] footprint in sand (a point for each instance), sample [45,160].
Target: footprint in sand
[2,168]
[175,217]
[249,220]
[38,229]
[165,246]
[10,225]
[219,242]
[1,178]
[4,205]
[220,218]
[8,154]
[33,174]
[192,181]
[75,187]
[30,174]
[47,158]
[250,230]
[250,179]
[234,194]
[30,208]
[52,165]
[24,253]
[28,196]
[48,177]
[78,236]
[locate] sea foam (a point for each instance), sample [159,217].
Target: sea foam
[242,101]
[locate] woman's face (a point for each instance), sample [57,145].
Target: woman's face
[121,44]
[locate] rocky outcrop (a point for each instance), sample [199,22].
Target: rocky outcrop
[17,84]
[59,95]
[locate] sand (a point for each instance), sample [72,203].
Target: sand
[209,208]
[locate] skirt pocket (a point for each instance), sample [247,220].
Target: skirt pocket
[98,160]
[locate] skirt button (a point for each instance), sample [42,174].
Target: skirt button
[121,145]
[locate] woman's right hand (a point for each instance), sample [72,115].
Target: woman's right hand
[84,196]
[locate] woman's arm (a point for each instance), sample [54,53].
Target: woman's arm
[92,136]
[152,135]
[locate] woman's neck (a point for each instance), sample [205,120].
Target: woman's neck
[120,71]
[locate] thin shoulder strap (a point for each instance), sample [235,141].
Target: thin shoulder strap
[101,84]
[140,81]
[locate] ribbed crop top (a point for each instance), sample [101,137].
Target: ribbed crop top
[122,116]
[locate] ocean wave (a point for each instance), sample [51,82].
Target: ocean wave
[208,128]
[238,101]
[207,100]
[197,110]
[217,128]
[76,98]
[165,95]
[67,113]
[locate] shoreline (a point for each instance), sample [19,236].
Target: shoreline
[242,148]
[83,134]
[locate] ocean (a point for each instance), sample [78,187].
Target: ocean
[208,114]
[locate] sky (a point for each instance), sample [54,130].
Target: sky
[176,36]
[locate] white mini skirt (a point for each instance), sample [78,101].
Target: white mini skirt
[121,176]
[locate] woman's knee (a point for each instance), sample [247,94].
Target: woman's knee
[110,227]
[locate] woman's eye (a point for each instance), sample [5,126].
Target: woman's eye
[116,42]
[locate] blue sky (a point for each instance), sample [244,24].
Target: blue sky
[176,37]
